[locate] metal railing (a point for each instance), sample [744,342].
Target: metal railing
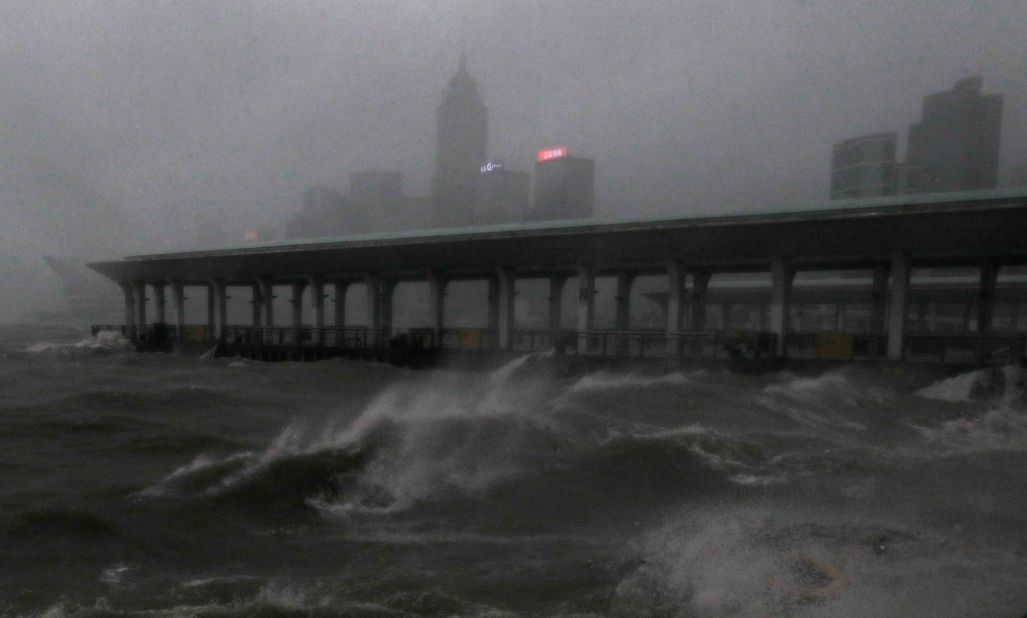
[991,349]
[994,348]
[474,339]
[348,337]
[542,340]
[836,345]
[689,345]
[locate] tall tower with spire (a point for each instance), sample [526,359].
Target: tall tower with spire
[462,139]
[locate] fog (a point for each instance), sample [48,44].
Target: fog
[128,127]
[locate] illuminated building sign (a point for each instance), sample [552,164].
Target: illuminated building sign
[491,166]
[552,153]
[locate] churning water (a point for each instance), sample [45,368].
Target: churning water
[173,486]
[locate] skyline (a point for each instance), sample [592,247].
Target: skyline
[166,113]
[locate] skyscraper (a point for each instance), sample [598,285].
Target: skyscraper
[955,145]
[502,194]
[863,166]
[462,138]
[563,186]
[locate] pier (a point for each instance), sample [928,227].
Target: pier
[863,279]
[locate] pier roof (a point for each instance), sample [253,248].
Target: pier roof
[950,228]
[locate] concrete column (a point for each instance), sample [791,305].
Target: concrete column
[317,297]
[218,292]
[622,318]
[507,282]
[374,298]
[493,308]
[340,303]
[387,289]
[379,307]
[586,306]
[139,291]
[697,300]
[255,304]
[986,298]
[130,308]
[178,301]
[158,302]
[212,325]
[780,300]
[556,283]
[297,304]
[898,297]
[267,299]
[879,299]
[436,304]
[676,302]
[622,313]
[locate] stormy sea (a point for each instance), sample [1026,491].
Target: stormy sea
[176,486]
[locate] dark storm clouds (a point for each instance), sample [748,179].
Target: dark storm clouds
[125,125]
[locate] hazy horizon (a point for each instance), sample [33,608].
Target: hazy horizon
[125,127]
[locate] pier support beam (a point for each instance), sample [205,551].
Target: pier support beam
[158,303]
[493,309]
[139,292]
[437,304]
[879,299]
[374,298]
[506,281]
[317,297]
[586,306]
[339,303]
[267,299]
[220,298]
[379,308]
[130,309]
[297,304]
[212,325]
[556,283]
[178,301]
[676,303]
[782,275]
[986,298]
[898,297]
[622,316]
[697,300]
[255,304]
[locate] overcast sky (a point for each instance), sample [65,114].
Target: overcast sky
[123,125]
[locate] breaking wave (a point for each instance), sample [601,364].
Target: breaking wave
[510,493]
[105,342]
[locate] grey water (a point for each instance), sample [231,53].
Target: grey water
[169,486]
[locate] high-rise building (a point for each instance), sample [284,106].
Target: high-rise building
[863,166]
[1017,176]
[462,139]
[379,194]
[327,212]
[502,194]
[563,185]
[956,143]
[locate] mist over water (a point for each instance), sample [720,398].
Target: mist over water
[178,486]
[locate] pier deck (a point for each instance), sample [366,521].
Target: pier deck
[889,240]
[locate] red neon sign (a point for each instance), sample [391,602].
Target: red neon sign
[552,153]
